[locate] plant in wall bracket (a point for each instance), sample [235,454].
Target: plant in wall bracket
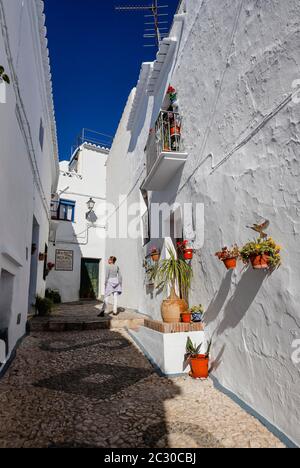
[229,256]
[3,75]
[262,253]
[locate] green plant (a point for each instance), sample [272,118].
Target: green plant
[172,271]
[226,253]
[263,247]
[3,75]
[44,306]
[54,296]
[199,309]
[193,350]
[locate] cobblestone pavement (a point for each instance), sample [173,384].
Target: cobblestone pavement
[95,389]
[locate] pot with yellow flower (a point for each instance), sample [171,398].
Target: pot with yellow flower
[263,254]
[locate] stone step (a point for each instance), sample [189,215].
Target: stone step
[62,324]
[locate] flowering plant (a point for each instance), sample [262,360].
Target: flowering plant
[265,247]
[183,245]
[171,90]
[50,266]
[172,94]
[226,253]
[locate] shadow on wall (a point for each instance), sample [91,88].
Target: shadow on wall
[135,135]
[240,302]
[218,302]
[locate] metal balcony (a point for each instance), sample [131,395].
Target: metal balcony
[164,152]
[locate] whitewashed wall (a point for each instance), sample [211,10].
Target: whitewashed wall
[84,239]
[28,174]
[234,70]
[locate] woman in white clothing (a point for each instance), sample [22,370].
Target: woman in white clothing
[113,285]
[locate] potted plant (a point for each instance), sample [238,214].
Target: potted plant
[155,254]
[197,313]
[3,76]
[168,273]
[43,306]
[199,362]
[185,250]
[50,266]
[229,256]
[186,317]
[41,257]
[262,253]
[53,295]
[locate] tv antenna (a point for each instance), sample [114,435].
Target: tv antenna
[156,30]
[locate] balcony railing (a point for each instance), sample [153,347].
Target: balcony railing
[165,152]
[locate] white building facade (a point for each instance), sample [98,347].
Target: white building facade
[77,243]
[28,165]
[235,66]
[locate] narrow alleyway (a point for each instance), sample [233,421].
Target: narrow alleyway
[95,389]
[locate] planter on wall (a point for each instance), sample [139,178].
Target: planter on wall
[155,256]
[188,254]
[230,263]
[260,262]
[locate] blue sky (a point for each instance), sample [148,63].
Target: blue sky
[96,54]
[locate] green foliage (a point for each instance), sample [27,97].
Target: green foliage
[172,271]
[54,296]
[44,306]
[193,350]
[199,309]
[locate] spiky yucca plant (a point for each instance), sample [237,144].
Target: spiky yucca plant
[172,271]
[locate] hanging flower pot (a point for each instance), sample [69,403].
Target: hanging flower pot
[175,130]
[263,253]
[41,257]
[186,317]
[230,263]
[260,262]
[155,255]
[229,257]
[188,254]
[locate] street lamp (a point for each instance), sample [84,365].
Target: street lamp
[91,205]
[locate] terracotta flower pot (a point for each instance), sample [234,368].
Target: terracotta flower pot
[173,308]
[260,262]
[188,254]
[230,263]
[175,131]
[186,317]
[155,257]
[199,366]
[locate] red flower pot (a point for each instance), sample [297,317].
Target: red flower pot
[188,254]
[175,130]
[260,262]
[155,257]
[199,366]
[230,263]
[186,318]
